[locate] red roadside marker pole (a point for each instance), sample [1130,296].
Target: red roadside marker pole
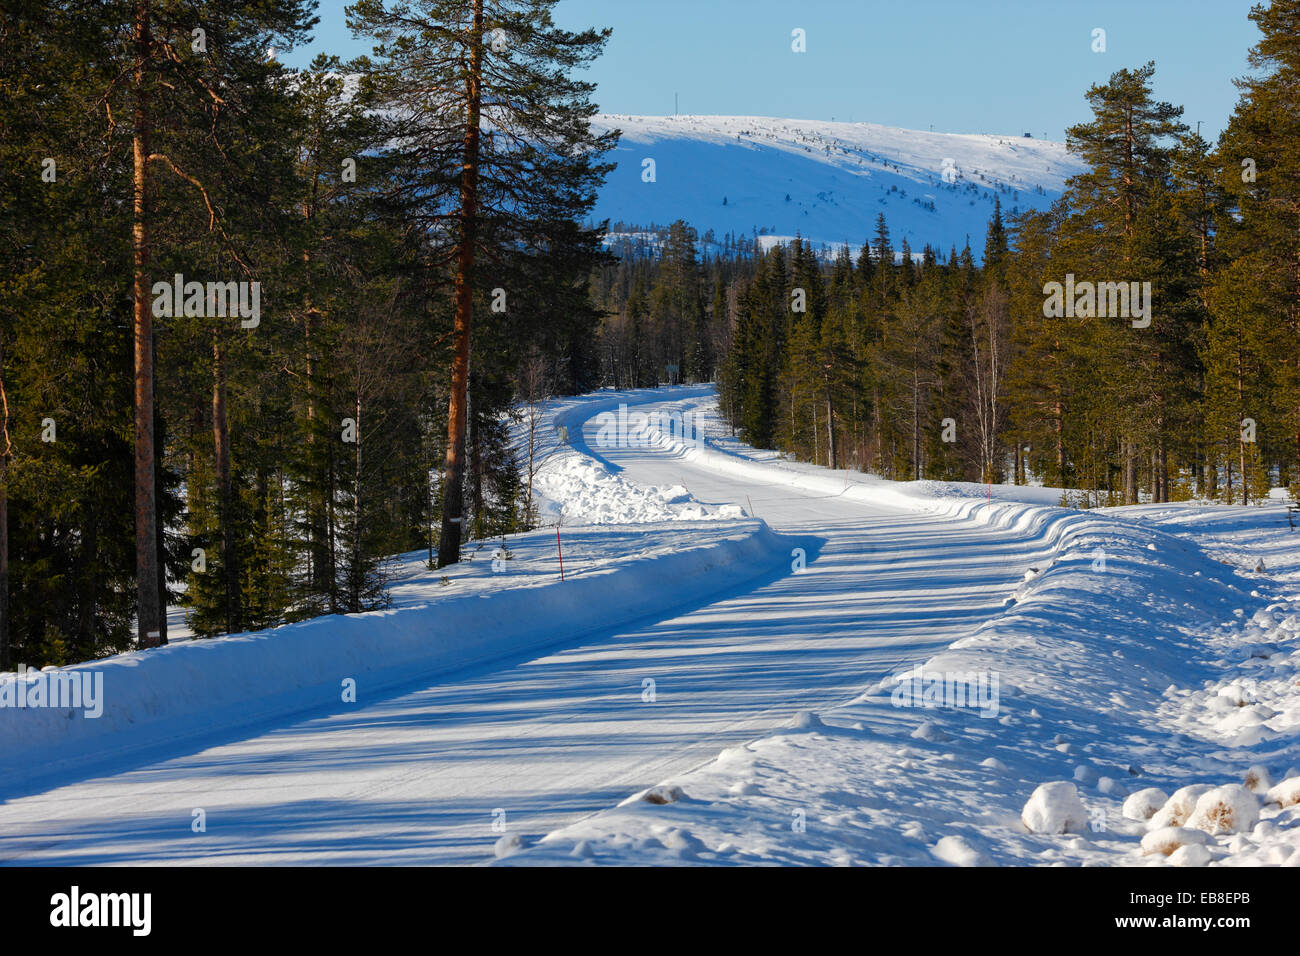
[559,551]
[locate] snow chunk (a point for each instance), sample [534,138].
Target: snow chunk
[684,843]
[930,731]
[1240,843]
[1144,804]
[1190,855]
[508,844]
[1111,787]
[1168,839]
[1258,779]
[957,851]
[1286,793]
[1228,809]
[1237,694]
[1179,807]
[1264,830]
[806,720]
[1055,808]
[663,794]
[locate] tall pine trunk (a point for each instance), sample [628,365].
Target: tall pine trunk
[830,431]
[453,505]
[1058,429]
[150,611]
[1241,439]
[5,449]
[313,531]
[358,573]
[225,489]
[331,536]
[4,557]
[1130,473]
[916,422]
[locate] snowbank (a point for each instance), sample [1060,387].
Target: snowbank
[1135,650]
[197,687]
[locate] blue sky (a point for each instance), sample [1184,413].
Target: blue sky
[963,66]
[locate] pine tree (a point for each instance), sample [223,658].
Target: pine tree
[1240,362]
[1040,372]
[499,147]
[1109,236]
[1259,155]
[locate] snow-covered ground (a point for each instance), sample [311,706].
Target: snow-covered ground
[826,181]
[1140,658]
[726,642]
[496,605]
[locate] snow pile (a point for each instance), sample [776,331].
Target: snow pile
[1144,804]
[1055,808]
[1179,808]
[1287,793]
[663,794]
[1186,827]
[438,621]
[1228,809]
[1259,700]
[508,844]
[1258,779]
[959,852]
[1166,840]
[579,489]
[572,485]
[1192,854]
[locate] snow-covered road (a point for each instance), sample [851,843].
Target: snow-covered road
[435,772]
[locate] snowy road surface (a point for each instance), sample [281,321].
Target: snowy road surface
[422,775]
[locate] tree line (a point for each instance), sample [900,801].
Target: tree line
[412,229]
[1138,340]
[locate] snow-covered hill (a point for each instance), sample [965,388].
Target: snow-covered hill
[826,181]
